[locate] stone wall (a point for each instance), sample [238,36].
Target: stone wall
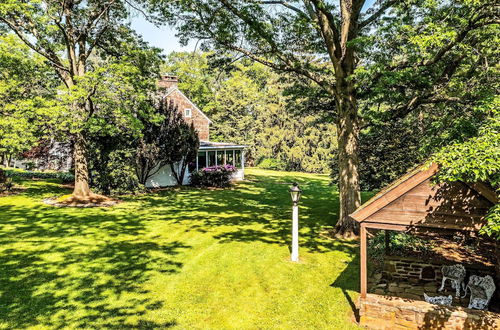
[417,270]
[386,312]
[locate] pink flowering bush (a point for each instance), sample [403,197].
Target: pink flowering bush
[213,176]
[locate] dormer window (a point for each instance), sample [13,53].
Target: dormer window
[187,113]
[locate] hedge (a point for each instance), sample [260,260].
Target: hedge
[63,176]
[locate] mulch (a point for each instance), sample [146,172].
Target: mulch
[92,201]
[14,191]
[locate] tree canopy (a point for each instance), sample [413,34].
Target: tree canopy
[354,51]
[104,68]
[251,105]
[27,88]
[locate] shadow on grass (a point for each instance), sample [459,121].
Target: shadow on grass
[256,211]
[348,280]
[73,268]
[90,268]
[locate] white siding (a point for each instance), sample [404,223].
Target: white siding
[165,178]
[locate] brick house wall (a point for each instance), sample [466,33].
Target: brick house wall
[197,118]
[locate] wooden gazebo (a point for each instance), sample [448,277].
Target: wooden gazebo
[415,202]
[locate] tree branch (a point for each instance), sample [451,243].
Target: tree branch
[285,4]
[376,13]
[415,102]
[286,67]
[96,16]
[330,31]
[47,54]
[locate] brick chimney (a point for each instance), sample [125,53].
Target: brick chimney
[166,81]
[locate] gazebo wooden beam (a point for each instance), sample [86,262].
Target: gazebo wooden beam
[363,261]
[416,204]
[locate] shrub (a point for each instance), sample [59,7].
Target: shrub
[112,172]
[7,185]
[213,176]
[63,176]
[272,164]
[399,244]
[3,176]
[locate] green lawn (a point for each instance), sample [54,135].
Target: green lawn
[185,258]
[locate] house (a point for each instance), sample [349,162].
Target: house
[210,153]
[49,155]
[444,212]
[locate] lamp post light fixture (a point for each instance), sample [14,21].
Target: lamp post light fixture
[295,193]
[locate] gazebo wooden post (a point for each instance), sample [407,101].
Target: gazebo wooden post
[363,261]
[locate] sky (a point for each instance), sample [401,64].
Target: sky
[164,37]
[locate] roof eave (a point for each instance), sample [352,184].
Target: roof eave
[385,197]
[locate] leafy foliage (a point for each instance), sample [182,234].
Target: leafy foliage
[248,105]
[3,176]
[111,164]
[271,164]
[63,176]
[477,159]
[167,141]
[27,87]
[399,244]
[492,228]
[7,185]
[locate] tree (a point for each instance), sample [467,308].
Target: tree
[327,43]
[27,87]
[477,160]
[166,141]
[198,79]
[249,105]
[75,37]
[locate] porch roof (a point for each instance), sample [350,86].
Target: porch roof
[207,145]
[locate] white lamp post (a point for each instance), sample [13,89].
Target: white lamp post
[295,193]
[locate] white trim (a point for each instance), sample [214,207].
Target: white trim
[186,112]
[172,89]
[221,147]
[243,160]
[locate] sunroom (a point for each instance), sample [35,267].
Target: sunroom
[219,153]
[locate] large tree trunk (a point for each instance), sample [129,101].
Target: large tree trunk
[348,160]
[82,189]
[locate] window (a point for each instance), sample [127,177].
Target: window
[202,160]
[220,157]
[211,158]
[187,113]
[237,158]
[229,157]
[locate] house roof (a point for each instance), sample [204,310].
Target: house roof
[175,88]
[414,200]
